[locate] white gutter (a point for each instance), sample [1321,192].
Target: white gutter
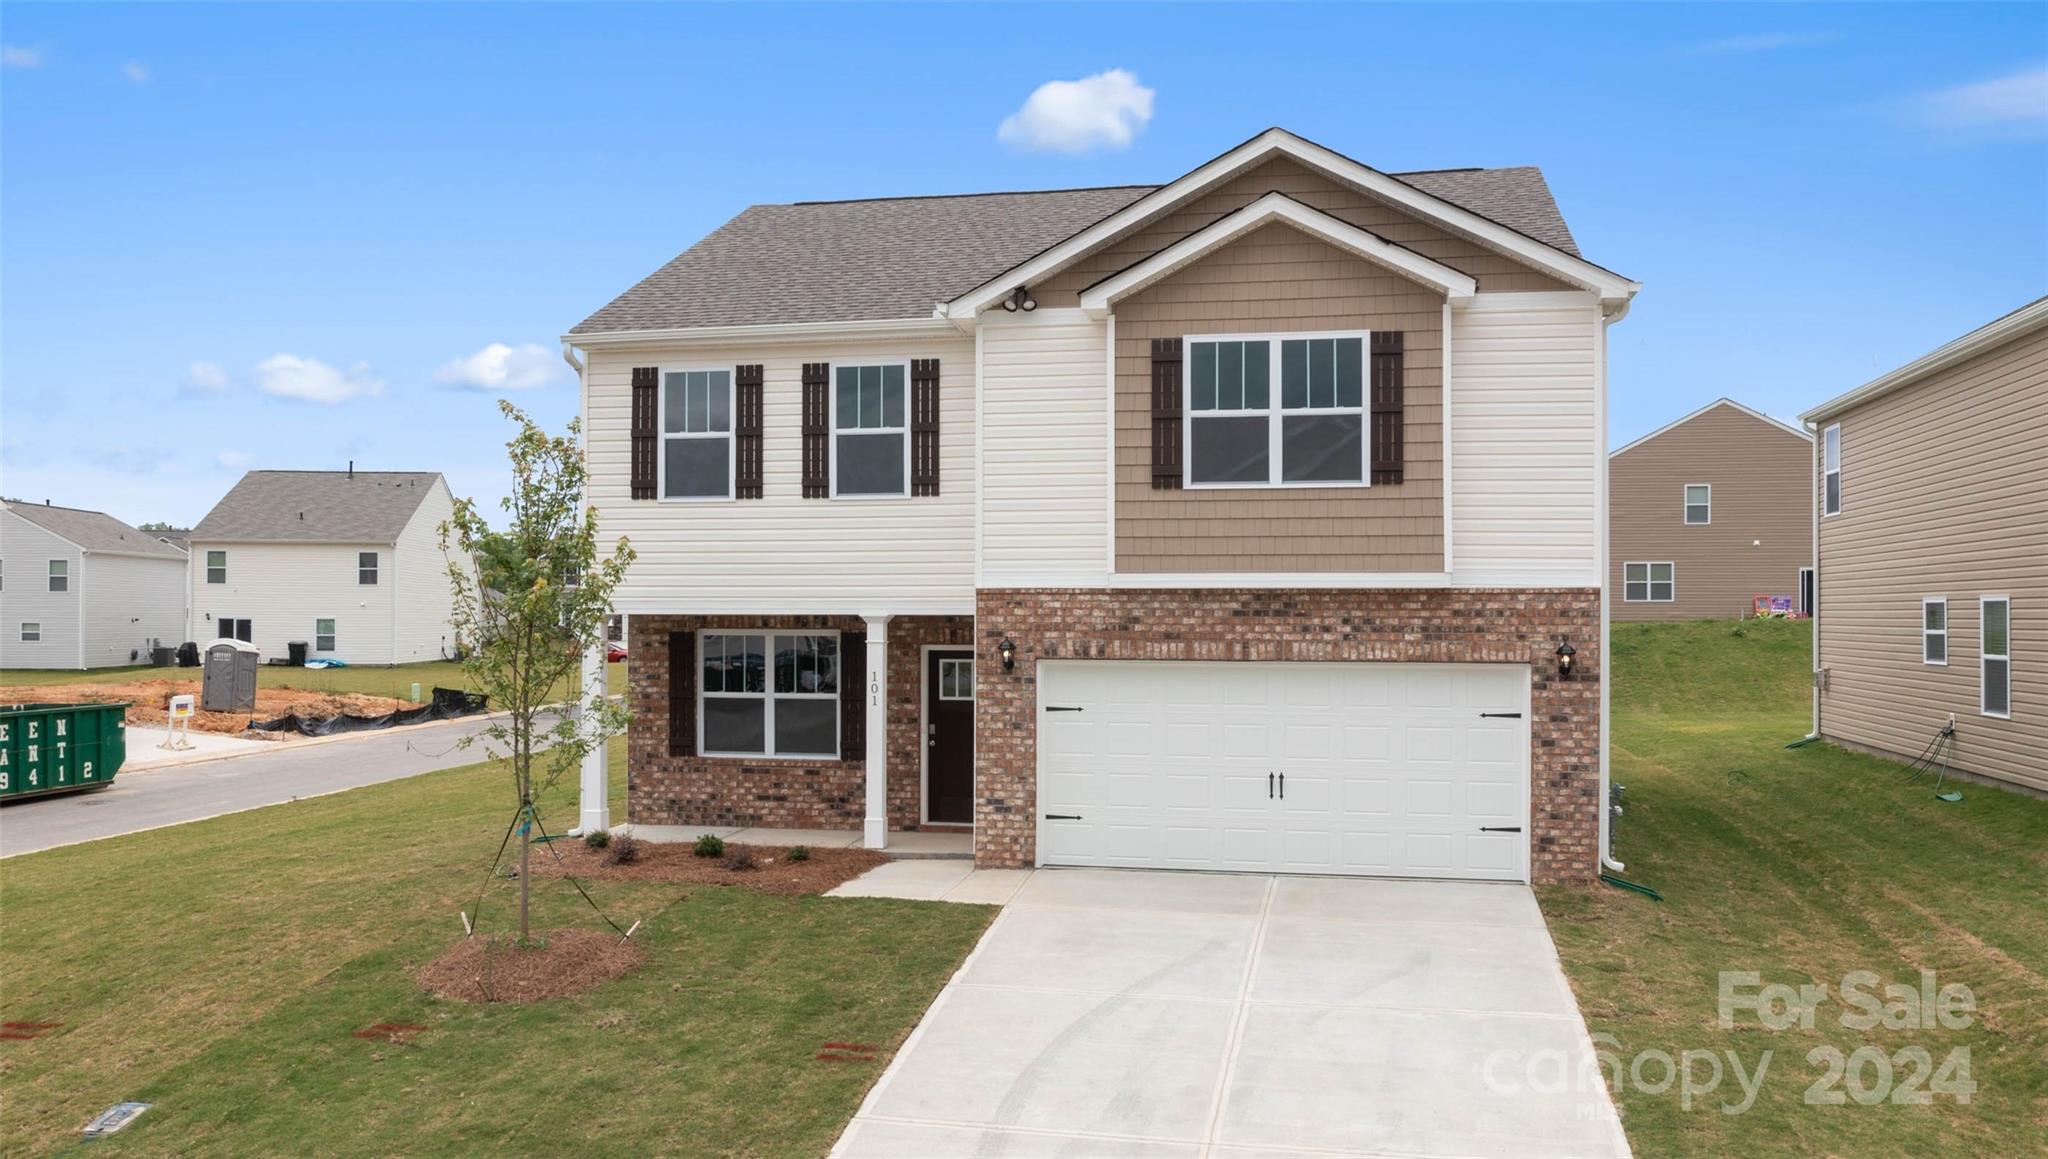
[593,774]
[1813,501]
[1600,457]
[883,328]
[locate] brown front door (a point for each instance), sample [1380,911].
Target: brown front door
[949,737]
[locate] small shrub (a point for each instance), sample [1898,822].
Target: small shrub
[709,845]
[596,839]
[800,853]
[739,861]
[624,850]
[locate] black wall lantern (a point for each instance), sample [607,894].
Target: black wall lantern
[1008,651]
[1565,655]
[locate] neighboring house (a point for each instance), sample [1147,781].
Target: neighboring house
[350,562]
[1235,523]
[81,589]
[1932,516]
[1708,513]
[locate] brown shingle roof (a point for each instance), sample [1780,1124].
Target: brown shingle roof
[316,507]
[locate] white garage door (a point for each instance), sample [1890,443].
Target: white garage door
[1406,770]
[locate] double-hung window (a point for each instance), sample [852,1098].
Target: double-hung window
[60,575]
[31,632]
[769,694]
[1699,503]
[1648,583]
[1934,630]
[696,434]
[366,567]
[323,635]
[1831,470]
[1276,410]
[1995,655]
[870,430]
[216,567]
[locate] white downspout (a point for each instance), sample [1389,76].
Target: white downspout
[1816,482]
[594,812]
[1607,860]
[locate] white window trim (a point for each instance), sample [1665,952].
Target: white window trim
[1984,657]
[51,573]
[206,565]
[1832,433]
[1807,609]
[1649,585]
[333,637]
[1685,505]
[835,430]
[663,434]
[768,696]
[28,639]
[944,661]
[1273,412]
[1927,633]
[376,569]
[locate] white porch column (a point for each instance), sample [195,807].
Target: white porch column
[596,813]
[876,829]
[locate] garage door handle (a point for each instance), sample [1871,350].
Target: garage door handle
[1063,816]
[1269,786]
[1500,828]
[1063,708]
[1501,715]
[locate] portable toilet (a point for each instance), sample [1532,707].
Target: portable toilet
[229,684]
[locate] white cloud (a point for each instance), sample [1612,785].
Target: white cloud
[1075,116]
[1760,42]
[20,56]
[502,367]
[136,71]
[206,378]
[309,379]
[2016,101]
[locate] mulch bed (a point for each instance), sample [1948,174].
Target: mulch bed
[773,871]
[494,969]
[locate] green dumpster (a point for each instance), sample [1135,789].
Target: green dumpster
[60,748]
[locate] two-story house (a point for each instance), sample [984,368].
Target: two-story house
[1253,521]
[82,589]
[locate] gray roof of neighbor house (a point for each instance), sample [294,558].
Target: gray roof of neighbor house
[316,507]
[93,530]
[888,258]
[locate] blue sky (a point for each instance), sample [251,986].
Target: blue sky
[213,217]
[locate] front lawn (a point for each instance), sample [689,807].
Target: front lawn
[220,970]
[1802,865]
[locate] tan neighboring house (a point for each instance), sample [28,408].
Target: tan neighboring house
[1707,514]
[1933,554]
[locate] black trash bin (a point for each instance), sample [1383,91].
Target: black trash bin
[298,650]
[188,655]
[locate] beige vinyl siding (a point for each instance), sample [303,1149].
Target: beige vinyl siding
[1045,441]
[782,552]
[1944,493]
[1278,279]
[1494,272]
[1526,440]
[1761,532]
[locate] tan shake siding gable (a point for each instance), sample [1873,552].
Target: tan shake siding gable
[1760,533]
[1278,279]
[1944,493]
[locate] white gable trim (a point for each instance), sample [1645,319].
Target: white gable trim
[1275,207]
[1613,289]
[1719,402]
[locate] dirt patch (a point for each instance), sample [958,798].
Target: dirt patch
[773,871]
[148,697]
[495,970]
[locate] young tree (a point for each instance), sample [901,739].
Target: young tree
[528,601]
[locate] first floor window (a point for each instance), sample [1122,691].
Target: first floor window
[1699,503]
[770,694]
[1934,630]
[366,567]
[60,574]
[1648,583]
[31,632]
[870,435]
[696,434]
[1995,654]
[1312,434]
[323,635]
[216,567]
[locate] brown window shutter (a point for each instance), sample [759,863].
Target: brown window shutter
[853,699]
[924,426]
[746,430]
[817,430]
[1166,414]
[646,436]
[682,694]
[1387,437]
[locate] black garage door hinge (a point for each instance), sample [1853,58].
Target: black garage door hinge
[1063,708]
[1063,816]
[1502,715]
[1500,828]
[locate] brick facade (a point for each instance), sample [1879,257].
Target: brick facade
[796,794]
[1521,626]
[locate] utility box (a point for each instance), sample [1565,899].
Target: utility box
[229,684]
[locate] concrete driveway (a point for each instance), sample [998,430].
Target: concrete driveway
[1181,1015]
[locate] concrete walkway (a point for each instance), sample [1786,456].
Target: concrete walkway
[1182,1015]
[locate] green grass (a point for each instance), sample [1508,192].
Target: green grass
[218,970]
[395,681]
[1802,865]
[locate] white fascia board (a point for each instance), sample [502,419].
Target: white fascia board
[802,606]
[1275,207]
[1719,402]
[1610,286]
[887,329]
[2027,317]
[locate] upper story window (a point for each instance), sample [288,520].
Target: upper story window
[1239,434]
[1831,470]
[216,567]
[696,434]
[1995,655]
[60,575]
[1648,583]
[366,567]
[870,430]
[770,694]
[1699,503]
[1934,630]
